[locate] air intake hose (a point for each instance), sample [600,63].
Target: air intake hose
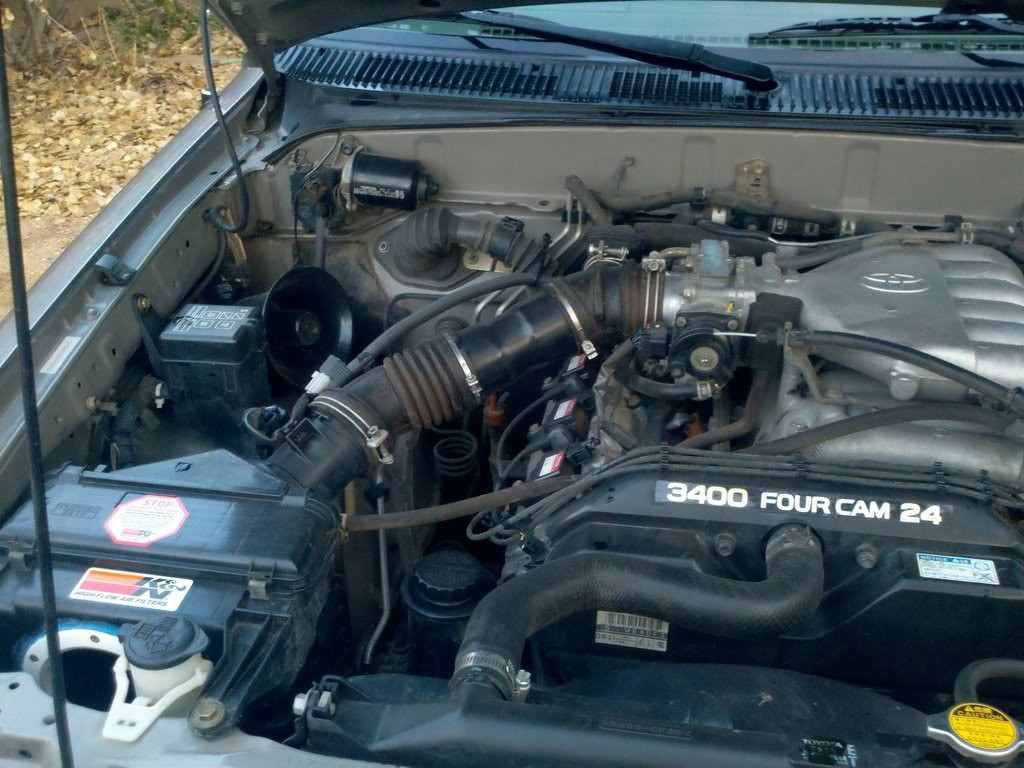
[499,627]
[434,382]
[424,240]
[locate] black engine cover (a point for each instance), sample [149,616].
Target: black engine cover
[920,579]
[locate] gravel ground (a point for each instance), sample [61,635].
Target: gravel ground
[83,132]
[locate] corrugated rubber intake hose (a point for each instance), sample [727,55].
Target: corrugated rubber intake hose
[427,385]
[499,627]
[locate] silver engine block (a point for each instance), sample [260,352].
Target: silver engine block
[961,303]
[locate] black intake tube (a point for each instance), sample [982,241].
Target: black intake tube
[428,385]
[425,238]
[499,627]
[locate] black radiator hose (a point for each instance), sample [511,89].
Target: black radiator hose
[973,675]
[432,383]
[499,627]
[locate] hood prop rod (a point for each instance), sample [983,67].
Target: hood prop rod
[19,296]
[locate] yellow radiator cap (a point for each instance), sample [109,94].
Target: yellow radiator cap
[978,730]
[982,726]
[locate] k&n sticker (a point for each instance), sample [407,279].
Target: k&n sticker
[144,590]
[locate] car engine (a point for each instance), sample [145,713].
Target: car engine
[431,471]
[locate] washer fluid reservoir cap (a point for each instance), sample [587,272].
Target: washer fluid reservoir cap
[163,643]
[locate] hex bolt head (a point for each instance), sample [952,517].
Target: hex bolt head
[725,544]
[299,704]
[143,303]
[91,313]
[680,322]
[207,713]
[867,557]
[733,324]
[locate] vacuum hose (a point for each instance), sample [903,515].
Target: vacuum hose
[432,383]
[499,627]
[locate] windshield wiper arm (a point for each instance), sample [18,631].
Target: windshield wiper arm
[947,23]
[670,54]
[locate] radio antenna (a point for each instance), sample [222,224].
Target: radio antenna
[19,296]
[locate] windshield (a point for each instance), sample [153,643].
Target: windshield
[709,22]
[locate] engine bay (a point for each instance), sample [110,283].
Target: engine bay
[711,475]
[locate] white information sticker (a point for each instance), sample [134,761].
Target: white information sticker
[948,568]
[631,631]
[60,354]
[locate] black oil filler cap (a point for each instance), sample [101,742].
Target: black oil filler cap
[162,644]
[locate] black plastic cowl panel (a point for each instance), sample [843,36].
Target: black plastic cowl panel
[998,97]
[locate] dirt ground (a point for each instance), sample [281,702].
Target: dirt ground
[82,132]
[44,239]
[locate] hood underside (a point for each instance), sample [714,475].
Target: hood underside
[269,26]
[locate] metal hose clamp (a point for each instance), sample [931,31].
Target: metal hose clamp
[471,380]
[586,345]
[373,435]
[513,683]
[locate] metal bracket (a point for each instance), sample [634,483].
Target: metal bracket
[374,436]
[113,271]
[586,345]
[752,179]
[471,380]
[654,280]
[18,553]
[259,584]
[967,232]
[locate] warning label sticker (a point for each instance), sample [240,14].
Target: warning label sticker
[565,408]
[970,569]
[982,726]
[144,520]
[631,631]
[145,590]
[551,464]
[575,363]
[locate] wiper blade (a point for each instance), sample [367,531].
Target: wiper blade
[670,54]
[939,23]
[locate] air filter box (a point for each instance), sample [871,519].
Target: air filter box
[212,538]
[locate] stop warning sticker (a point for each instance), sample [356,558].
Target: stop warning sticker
[982,726]
[144,520]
